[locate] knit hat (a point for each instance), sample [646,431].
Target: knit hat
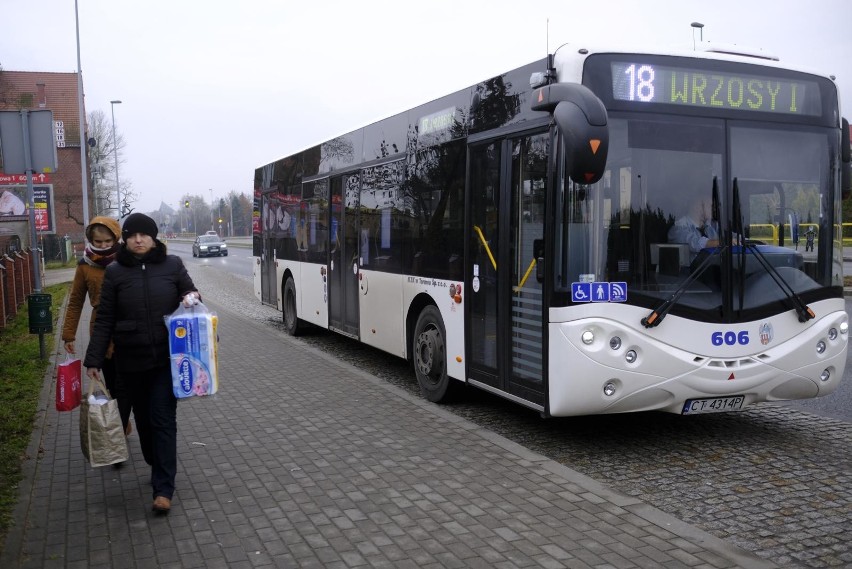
[139,223]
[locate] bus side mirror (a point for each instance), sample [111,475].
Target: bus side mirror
[582,121]
[845,161]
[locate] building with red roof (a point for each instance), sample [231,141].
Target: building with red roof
[58,196]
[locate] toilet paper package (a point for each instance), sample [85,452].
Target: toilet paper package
[194,350]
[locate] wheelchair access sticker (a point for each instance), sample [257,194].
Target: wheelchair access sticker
[599,292]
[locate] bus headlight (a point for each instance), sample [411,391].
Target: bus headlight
[844,328]
[609,389]
[825,375]
[820,347]
[588,337]
[832,334]
[615,342]
[630,356]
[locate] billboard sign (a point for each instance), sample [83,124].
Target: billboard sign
[14,207]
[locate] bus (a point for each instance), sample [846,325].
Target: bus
[519,236]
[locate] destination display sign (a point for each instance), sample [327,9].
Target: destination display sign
[647,82]
[438,122]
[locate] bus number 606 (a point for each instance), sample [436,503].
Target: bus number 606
[730,338]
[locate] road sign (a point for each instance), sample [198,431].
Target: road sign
[42,141]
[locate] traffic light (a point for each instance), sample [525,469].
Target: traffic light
[186,203]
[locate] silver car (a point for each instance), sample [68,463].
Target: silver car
[209,245]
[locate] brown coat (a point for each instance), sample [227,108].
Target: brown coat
[87,280]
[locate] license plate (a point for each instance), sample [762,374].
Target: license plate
[713,405]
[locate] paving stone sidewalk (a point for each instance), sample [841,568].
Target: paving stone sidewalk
[303,461]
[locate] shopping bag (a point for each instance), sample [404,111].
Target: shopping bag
[102,436]
[194,351]
[68,385]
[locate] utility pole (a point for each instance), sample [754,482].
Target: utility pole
[115,157]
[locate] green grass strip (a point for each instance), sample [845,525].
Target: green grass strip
[21,381]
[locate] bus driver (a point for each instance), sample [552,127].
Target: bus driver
[695,229]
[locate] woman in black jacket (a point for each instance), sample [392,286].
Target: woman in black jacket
[142,287]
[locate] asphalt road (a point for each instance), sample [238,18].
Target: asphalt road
[238,262]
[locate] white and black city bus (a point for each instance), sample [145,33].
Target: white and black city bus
[524,235]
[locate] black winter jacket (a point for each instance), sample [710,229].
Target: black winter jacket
[135,296]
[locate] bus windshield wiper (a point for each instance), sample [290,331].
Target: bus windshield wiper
[660,312]
[803,310]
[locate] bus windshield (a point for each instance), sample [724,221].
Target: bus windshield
[666,203]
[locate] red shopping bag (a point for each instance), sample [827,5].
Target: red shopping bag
[68,384]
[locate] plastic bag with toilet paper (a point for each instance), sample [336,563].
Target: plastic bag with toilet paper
[194,350]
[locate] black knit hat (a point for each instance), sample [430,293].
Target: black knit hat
[139,223]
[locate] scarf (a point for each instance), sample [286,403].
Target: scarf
[100,257]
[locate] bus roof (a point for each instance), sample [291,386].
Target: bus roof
[569,58]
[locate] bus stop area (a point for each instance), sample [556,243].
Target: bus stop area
[302,460]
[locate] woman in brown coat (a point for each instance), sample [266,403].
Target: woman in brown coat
[102,235]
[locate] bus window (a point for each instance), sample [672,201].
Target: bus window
[781,187]
[312,221]
[435,192]
[382,206]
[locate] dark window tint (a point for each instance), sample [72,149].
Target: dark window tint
[434,220]
[312,222]
[382,205]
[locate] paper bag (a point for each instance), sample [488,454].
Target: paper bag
[68,384]
[102,436]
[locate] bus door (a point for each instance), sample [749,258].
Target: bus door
[268,279]
[343,265]
[508,180]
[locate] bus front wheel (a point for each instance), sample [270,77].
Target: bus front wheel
[430,358]
[290,316]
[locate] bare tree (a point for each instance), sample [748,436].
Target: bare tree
[102,165]
[5,90]
[197,215]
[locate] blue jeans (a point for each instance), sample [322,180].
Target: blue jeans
[155,410]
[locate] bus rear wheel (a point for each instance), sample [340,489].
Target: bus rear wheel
[290,316]
[430,357]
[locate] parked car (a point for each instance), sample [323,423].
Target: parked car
[209,245]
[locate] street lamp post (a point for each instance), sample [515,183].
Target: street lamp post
[115,157]
[231,223]
[82,122]
[212,218]
[219,217]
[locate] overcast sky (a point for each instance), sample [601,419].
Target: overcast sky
[211,90]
